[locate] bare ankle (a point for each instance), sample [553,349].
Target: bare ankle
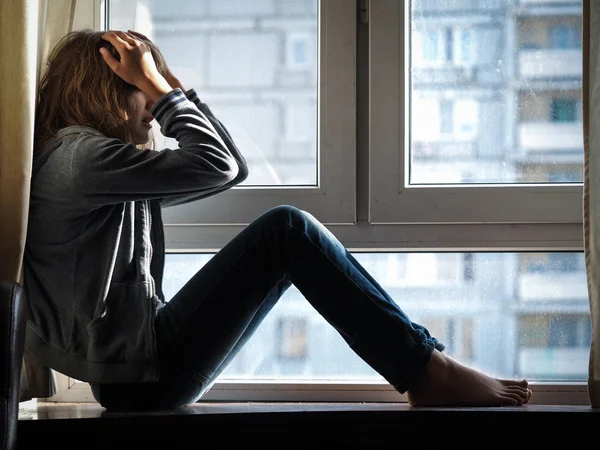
[446,382]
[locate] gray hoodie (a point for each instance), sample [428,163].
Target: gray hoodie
[94,254]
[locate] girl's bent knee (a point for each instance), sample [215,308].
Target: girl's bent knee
[286,212]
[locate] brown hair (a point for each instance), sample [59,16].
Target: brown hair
[79,88]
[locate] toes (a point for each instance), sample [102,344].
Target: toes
[512,400]
[523,384]
[521,392]
[529,394]
[518,395]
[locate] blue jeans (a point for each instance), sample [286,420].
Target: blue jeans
[203,327]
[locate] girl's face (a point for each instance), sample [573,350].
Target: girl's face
[141,118]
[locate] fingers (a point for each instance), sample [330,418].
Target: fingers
[112,62]
[122,63]
[115,38]
[134,63]
[124,44]
[138,34]
[120,39]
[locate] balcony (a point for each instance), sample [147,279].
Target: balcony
[550,63]
[553,287]
[450,149]
[545,137]
[435,6]
[542,8]
[426,74]
[548,2]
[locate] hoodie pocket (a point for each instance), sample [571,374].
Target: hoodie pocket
[123,332]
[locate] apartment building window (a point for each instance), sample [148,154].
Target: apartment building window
[565,262]
[569,331]
[558,331]
[464,46]
[459,332]
[448,45]
[562,339]
[299,54]
[564,37]
[563,110]
[446,117]
[430,46]
[449,267]
[468,267]
[292,338]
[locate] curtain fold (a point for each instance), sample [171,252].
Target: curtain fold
[29,29]
[591,184]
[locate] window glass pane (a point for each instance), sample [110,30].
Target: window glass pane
[254,62]
[513,315]
[495,92]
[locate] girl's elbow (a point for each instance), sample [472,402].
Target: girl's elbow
[232,173]
[242,172]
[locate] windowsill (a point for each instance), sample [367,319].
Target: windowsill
[59,411]
[305,424]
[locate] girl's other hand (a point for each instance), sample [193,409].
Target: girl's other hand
[136,65]
[171,79]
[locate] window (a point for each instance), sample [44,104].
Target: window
[560,339]
[280,74]
[563,110]
[497,171]
[448,45]
[445,151]
[429,45]
[292,338]
[564,36]
[464,46]
[503,312]
[446,117]
[299,51]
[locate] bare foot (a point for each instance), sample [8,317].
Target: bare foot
[446,382]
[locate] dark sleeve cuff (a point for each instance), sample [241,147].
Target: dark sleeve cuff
[166,102]
[192,96]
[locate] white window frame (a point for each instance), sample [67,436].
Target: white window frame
[89,14]
[392,199]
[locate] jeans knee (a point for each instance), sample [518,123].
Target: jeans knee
[286,213]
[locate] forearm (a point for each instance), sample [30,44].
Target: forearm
[174,81]
[223,133]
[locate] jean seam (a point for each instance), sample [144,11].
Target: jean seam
[199,377]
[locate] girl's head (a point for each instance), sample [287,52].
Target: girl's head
[79,88]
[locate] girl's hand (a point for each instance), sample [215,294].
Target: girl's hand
[171,79]
[136,65]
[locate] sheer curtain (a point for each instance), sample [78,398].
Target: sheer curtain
[29,29]
[591,183]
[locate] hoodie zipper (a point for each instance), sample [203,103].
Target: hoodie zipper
[152,281]
[151,249]
[159,254]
